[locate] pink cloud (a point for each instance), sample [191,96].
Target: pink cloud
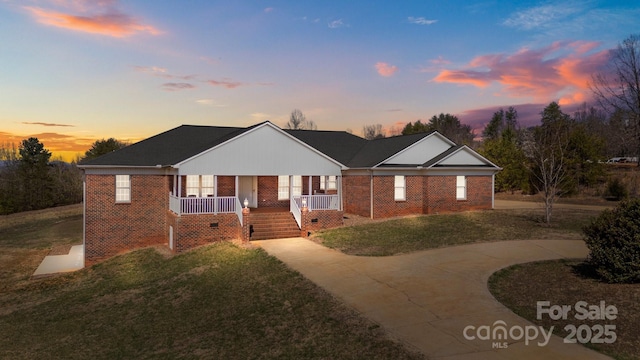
[225,83]
[177,86]
[559,71]
[105,21]
[385,69]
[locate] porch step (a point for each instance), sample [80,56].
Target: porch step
[274,225]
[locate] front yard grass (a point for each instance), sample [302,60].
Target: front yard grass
[409,234]
[216,302]
[563,282]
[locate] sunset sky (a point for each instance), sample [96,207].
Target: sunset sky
[73,71]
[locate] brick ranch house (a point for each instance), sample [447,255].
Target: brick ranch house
[196,184]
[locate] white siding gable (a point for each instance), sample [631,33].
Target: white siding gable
[464,156]
[422,151]
[264,150]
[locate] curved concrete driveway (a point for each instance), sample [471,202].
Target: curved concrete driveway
[426,299]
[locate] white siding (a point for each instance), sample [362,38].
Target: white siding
[463,157]
[261,151]
[421,152]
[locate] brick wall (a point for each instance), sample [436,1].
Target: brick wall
[441,194]
[424,195]
[114,228]
[384,202]
[356,194]
[479,192]
[226,186]
[195,230]
[268,193]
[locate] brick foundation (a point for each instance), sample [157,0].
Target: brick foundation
[320,219]
[190,231]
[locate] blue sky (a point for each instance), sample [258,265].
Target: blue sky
[76,70]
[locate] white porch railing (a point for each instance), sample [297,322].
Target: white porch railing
[205,205]
[313,202]
[294,207]
[319,202]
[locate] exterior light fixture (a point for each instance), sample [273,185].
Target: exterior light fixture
[246,203]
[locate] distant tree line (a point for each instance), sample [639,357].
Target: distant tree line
[30,180]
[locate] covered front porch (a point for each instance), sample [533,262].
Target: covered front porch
[213,194]
[263,167]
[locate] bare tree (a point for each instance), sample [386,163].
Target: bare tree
[618,88]
[371,132]
[297,121]
[546,146]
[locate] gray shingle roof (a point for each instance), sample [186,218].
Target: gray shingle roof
[181,143]
[169,147]
[378,150]
[339,145]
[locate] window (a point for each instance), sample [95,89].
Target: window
[206,185]
[400,188]
[283,187]
[193,185]
[123,188]
[461,187]
[296,188]
[328,182]
[200,185]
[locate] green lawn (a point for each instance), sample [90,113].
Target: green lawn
[218,301]
[409,234]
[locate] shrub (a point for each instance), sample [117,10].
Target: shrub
[613,239]
[617,190]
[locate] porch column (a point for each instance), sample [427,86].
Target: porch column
[215,194]
[237,182]
[174,185]
[310,192]
[290,187]
[179,194]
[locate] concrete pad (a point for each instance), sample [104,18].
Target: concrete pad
[54,264]
[427,298]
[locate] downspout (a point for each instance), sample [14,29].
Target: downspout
[493,190]
[371,192]
[84,218]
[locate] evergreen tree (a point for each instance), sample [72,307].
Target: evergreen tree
[501,145]
[447,125]
[102,147]
[34,175]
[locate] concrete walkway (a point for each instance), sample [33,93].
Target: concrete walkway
[426,299]
[53,264]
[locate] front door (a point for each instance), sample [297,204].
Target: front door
[248,189]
